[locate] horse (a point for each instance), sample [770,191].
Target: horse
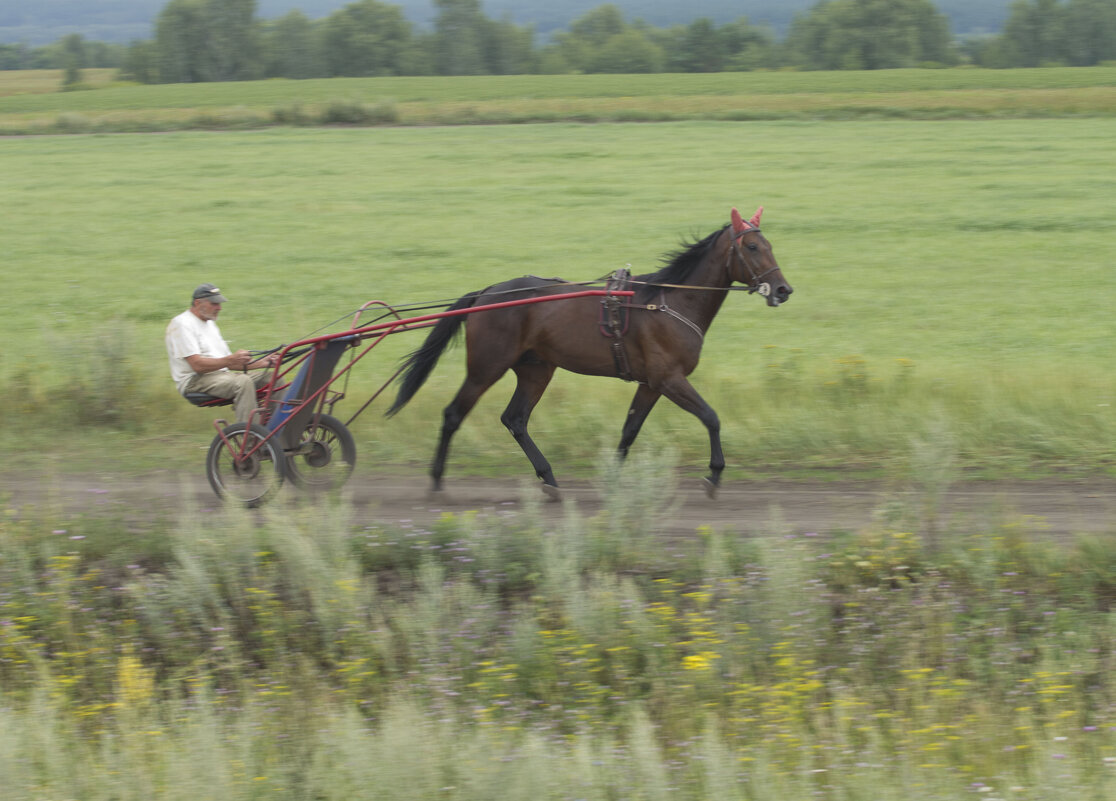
[667,319]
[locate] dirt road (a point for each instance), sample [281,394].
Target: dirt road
[1059,508]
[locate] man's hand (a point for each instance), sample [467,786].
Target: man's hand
[270,360]
[240,360]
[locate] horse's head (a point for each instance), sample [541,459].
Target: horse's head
[752,262]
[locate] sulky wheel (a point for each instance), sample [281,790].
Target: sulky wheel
[250,480]
[325,456]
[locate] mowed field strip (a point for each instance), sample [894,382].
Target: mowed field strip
[29,102]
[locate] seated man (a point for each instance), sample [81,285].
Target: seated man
[200,359]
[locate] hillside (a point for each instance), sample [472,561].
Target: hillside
[46,21]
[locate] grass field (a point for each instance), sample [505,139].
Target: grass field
[952,270]
[952,308]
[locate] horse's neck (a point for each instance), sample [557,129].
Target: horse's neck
[702,305]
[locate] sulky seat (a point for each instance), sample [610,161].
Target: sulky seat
[205,399]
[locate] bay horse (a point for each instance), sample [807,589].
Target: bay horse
[666,323]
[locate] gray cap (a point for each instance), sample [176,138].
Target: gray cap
[211,293]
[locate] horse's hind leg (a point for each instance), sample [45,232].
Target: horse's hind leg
[642,404]
[532,381]
[452,417]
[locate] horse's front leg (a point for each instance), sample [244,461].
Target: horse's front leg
[682,392]
[642,404]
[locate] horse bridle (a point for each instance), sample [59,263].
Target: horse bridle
[755,282]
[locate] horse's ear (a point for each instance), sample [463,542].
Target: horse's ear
[754,222]
[738,224]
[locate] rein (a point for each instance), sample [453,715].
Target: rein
[756,285]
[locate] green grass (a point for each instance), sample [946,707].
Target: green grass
[953,270]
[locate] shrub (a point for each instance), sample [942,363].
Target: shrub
[354,112]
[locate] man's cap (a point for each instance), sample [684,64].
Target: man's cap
[211,293]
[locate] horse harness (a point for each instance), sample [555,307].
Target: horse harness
[614,320]
[615,316]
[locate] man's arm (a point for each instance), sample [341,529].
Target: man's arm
[208,364]
[241,360]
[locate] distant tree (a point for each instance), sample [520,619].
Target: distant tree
[103,54]
[1035,33]
[747,47]
[870,34]
[366,38]
[507,48]
[207,40]
[141,62]
[701,49]
[293,48]
[73,55]
[14,56]
[232,42]
[180,33]
[599,25]
[459,31]
[630,51]
[578,47]
[418,56]
[1040,32]
[551,60]
[1090,30]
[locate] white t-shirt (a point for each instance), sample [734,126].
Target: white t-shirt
[188,335]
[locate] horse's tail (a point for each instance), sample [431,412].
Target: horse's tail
[419,364]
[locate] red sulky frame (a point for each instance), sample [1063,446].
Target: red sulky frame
[313,400]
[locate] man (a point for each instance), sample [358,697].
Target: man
[200,359]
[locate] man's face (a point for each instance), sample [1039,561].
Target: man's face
[206,309]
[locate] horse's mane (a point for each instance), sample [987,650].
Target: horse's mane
[679,265]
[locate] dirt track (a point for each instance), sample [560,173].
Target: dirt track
[1057,508]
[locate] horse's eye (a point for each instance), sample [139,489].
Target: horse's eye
[753,246]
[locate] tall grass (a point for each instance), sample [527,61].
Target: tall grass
[288,654]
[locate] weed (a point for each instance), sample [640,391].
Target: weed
[979,662]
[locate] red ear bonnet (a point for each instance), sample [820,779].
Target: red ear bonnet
[738,224]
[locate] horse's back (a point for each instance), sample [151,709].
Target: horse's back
[525,286]
[565,333]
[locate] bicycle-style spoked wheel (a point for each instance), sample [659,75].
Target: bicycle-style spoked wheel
[250,479]
[325,456]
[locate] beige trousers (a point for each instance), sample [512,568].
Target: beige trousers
[241,387]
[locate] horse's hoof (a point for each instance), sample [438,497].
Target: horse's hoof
[710,488]
[552,493]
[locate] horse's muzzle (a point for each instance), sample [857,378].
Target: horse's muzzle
[779,294]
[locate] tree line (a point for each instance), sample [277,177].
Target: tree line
[223,40]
